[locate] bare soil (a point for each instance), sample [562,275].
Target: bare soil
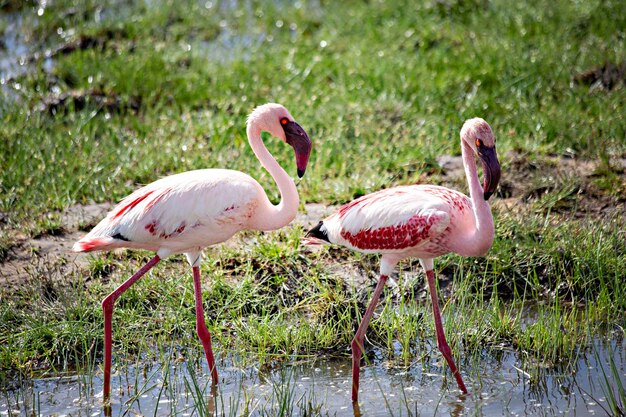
[50,254]
[576,185]
[607,76]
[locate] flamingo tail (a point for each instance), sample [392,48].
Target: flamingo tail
[316,236]
[89,244]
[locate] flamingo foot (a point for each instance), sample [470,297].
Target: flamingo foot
[445,350]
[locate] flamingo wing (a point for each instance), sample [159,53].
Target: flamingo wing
[393,219]
[195,208]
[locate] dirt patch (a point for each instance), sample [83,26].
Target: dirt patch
[557,184]
[79,99]
[51,255]
[312,214]
[607,76]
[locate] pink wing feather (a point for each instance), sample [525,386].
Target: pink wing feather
[393,219]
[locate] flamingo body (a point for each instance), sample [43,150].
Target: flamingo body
[419,221]
[408,221]
[180,213]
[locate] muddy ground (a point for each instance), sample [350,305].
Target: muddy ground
[569,187]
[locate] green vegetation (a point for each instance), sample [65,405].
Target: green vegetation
[137,90]
[389,82]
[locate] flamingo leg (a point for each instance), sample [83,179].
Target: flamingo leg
[201,329]
[107,309]
[441,337]
[357,342]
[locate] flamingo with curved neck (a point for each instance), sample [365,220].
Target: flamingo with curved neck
[421,221]
[187,212]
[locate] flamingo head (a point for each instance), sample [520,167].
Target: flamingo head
[477,134]
[277,120]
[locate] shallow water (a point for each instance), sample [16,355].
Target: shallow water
[498,387]
[14,52]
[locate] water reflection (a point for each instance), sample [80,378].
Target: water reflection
[322,387]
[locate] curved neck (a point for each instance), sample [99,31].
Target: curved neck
[482,236]
[269,216]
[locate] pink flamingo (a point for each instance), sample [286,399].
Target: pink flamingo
[187,212]
[422,221]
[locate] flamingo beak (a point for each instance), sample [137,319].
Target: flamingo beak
[299,140]
[491,170]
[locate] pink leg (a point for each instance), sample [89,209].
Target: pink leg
[107,309]
[441,337]
[357,342]
[203,332]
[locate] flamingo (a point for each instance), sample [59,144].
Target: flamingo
[187,212]
[423,221]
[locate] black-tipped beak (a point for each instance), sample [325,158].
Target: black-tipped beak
[299,140]
[491,170]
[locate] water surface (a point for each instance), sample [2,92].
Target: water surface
[498,387]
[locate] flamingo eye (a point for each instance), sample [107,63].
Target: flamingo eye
[284,121]
[479,143]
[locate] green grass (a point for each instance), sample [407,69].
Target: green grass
[392,85]
[382,88]
[613,389]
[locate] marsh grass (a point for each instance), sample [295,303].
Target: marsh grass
[612,386]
